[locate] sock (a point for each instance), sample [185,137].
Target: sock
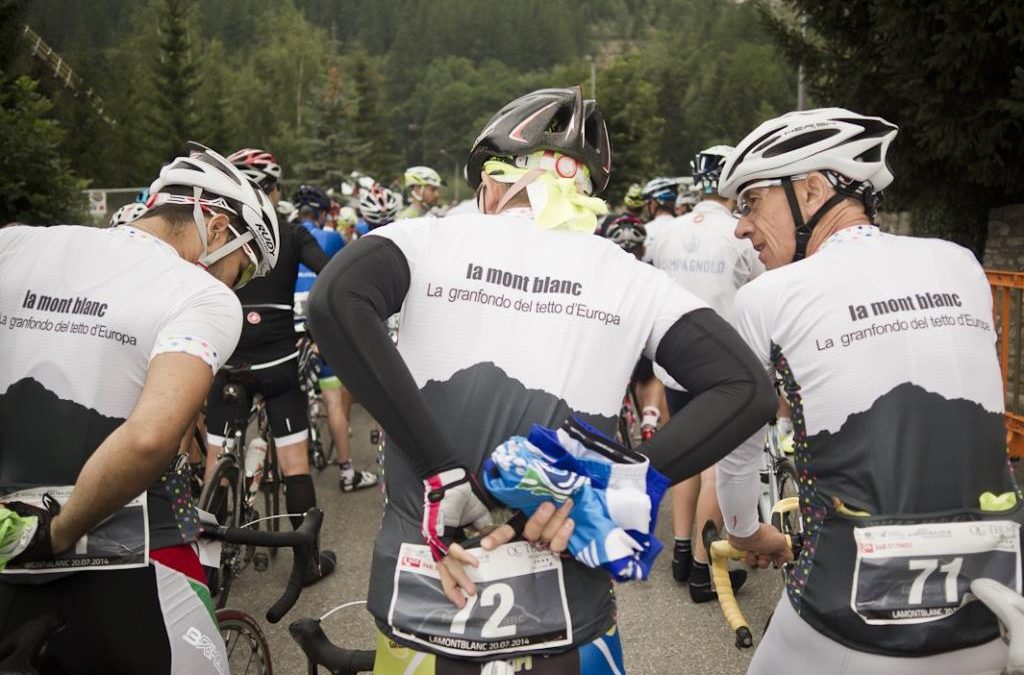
[299,496]
[682,557]
[650,416]
[346,469]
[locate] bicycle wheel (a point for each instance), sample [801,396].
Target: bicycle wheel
[786,474]
[245,646]
[270,485]
[220,497]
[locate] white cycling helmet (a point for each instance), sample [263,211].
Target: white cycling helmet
[217,183]
[346,216]
[421,175]
[287,210]
[848,148]
[826,139]
[378,205]
[259,165]
[127,214]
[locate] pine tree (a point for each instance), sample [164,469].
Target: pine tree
[333,149]
[175,78]
[36,184]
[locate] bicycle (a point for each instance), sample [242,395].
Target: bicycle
[232,489]
[779,481]
[320,651]
[23,652]
[321,441]
[629,432]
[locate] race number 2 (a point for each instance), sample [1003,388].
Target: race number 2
[916,573]
[519,605]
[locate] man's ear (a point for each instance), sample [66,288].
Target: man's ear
[817,191]
[217,225]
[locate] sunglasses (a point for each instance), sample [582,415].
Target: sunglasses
[745,201]
[249,272]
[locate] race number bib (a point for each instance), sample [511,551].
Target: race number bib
[119,542]
[519,605]
[908,574]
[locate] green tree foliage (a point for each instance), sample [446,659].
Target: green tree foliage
[331,86]
[37,185]
[949,73]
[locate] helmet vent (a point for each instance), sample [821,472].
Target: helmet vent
[800,141]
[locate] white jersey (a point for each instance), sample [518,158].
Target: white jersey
[82,312]
[655,227]
[700,251]
[593,310]
[885,348]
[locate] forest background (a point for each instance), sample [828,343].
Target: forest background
[334,86]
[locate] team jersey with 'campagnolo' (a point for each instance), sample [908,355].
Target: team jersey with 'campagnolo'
[654,228]
[886,351]
[701,253]
[82,313]
[593,310]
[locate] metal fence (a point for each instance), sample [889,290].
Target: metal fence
[1008,310]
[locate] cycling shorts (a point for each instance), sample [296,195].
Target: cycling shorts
[603,656]
[328,380]
[286,404]
[792,646]
[151,620]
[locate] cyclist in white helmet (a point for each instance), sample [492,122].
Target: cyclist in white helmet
[700,252]
[422,184]
[378,206]
[127,214]
[112,338]
[886,352]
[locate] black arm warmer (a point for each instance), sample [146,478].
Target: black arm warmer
[734,395]
[310,253]
[359,289]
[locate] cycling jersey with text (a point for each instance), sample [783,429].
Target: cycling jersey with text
[506,325]
[886,351]
[701,253]
[82,312]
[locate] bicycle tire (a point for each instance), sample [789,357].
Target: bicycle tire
[244,627]
[219,579]
[789,481]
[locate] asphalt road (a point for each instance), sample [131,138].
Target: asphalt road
[663,632]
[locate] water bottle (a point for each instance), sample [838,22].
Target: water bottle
[255,453]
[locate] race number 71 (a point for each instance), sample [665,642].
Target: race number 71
[925,567]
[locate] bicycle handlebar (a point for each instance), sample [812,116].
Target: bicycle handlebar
[302,541]
[720,552]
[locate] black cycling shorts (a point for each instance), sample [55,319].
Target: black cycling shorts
[145,621]
[285,400]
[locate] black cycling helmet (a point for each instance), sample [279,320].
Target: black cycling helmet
[313,197]
[546,119]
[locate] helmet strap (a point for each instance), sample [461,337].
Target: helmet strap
[804,230]
[200,221]
[517,187]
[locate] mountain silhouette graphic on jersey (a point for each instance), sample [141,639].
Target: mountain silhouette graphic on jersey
[43,435]
[481,406]
[913,451]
